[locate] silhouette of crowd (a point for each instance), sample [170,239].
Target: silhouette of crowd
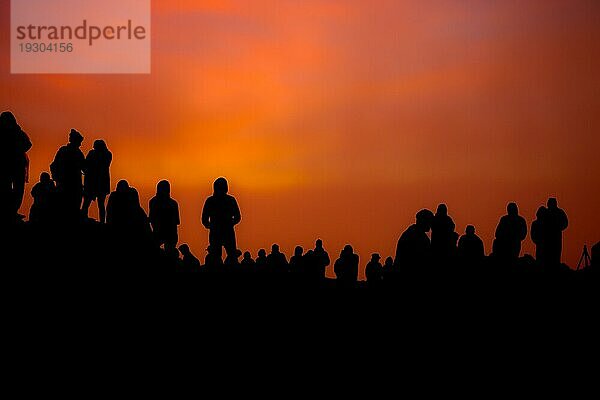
[125,234]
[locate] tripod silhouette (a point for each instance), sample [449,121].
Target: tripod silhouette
[584,259]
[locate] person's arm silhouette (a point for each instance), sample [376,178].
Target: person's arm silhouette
[206,212]
[237,215]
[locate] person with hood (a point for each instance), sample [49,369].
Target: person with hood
[220,215]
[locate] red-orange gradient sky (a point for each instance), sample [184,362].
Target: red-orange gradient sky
[341,119]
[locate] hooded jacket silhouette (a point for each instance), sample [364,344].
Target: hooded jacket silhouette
[219,215]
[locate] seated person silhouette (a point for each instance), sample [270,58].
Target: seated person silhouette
[557,222]
[511,231]
[67,169]
[539,235]
[443,237]
[220,215]
[261,261]
[276,261]
[247,261]
[346,268]
[188,260]
[164,216]
[234,260]
[374,270]
[43,192]
[414,247]
[470,247]
[96,183]
[14,166]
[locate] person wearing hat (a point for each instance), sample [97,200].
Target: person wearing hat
[374,270]
[67,170]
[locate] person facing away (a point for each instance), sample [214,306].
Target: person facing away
[443,237]
[321,258]
[296,261]
[414,247]
[346,267]
[164,216]
[67,169]
[96,183]
[374,270]
[247,260]
[14,164]
[276,261]
[557,222]
[470,246]
[220,215]
[261,260]
[511,231]
[43,194]
[233,261]
[188,260]
[124,212]
[539,235]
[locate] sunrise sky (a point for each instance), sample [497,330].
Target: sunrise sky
[341,119]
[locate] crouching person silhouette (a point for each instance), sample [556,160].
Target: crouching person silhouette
[43,193]
[220,215]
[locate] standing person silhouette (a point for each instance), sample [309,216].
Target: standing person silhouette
[346,268]
[164,216]
[96,184]
[511,231]
[67,169]
[443,237]
[14,165]
[539,235]
[557,222]
[220,215]
[321,258]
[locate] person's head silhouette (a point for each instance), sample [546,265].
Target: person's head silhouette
[512,209]
[262,253]
[275,249]
[424,218]
[45,177]
[348,249]
[163,189]
[298,251]
[100,145]
[552,203]
[247,255]
[7,118]
[389,261]
[220,186]
[442,210]
[319,244]
[122,186]
[375,257]
[541,212]
[470,230]
[75,138]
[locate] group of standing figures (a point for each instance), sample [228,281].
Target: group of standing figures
[75,181]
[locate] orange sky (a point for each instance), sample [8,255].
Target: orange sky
[340,119]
